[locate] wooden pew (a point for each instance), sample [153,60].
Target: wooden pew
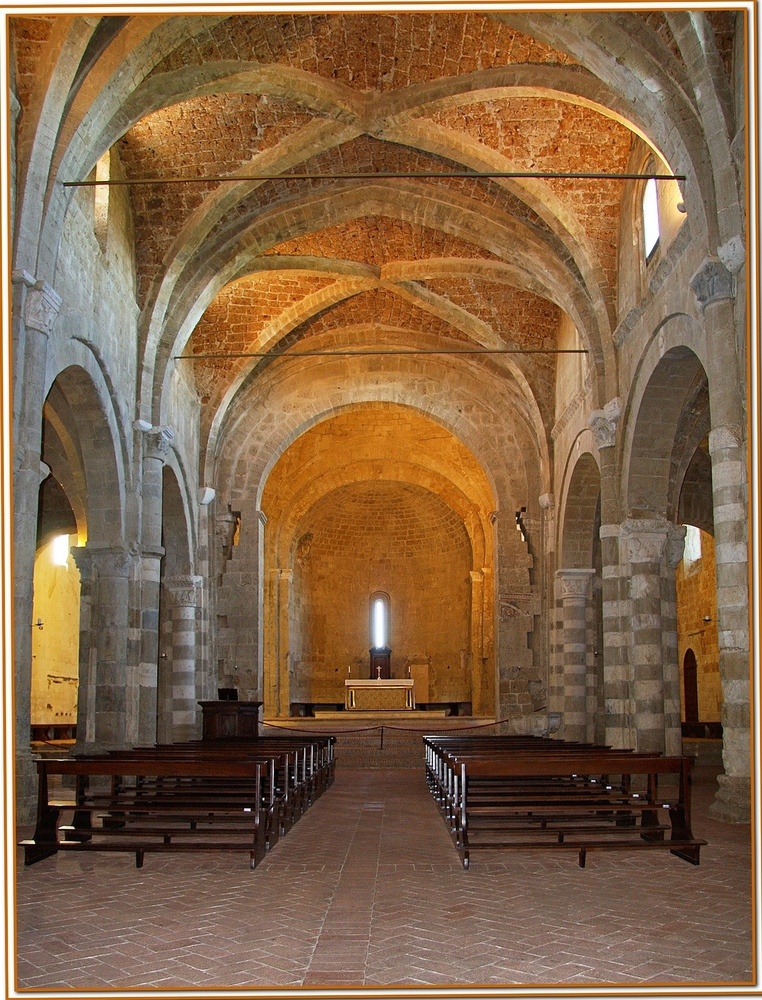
[200,795]
[234,821]
[571,797]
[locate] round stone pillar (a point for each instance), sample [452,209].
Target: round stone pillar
[713,285]
[143,696]
[574,589]
[35,308]
[652,630]
[102,713]
[179,705]
[617,703]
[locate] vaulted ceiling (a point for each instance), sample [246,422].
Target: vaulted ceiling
[263,233]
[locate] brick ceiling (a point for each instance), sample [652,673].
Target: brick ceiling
[268,265]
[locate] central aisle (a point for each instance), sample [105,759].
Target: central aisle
[367,890]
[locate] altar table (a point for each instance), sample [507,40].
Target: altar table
[382,694]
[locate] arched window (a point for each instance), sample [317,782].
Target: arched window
[650,218]
[692,550]
[379,620]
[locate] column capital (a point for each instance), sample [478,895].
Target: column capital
[158,441]
[548,503]
[184,589]
[603,423]
[42,306]
[712,283]
[574,583]
[725,439]
[104,562]
[646,538]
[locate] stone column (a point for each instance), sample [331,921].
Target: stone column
[102,714]
[283,701]
[653,634]
[86,686]
[618,708]
[547,531]
[673,554]
[573,587]
[182,709]
[479,698]
[35,308]
[142,699]
[714,288]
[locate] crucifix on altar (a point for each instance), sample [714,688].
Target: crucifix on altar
[380,663]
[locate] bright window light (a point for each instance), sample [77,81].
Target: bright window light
[650,217]
[60,550]
[692,550]
[379,624]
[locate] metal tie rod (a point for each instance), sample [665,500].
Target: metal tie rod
[423,175]
[377,353]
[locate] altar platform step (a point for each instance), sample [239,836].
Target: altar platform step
[382,714]
[373,739]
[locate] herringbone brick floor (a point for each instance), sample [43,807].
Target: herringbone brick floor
[367,890]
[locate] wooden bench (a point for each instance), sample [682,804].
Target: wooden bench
[578,798]
[201,795]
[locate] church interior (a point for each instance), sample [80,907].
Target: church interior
[403,346]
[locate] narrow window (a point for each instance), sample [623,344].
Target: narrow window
[379,621]
[59,549]
[650,218]
[692,550]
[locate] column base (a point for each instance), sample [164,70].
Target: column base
[732,803]
[26,788]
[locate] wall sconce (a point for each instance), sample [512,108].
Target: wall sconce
[707,618]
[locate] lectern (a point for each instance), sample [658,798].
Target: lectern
[380,663]
[230,718]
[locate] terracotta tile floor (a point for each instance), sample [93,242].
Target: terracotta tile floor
[367,890]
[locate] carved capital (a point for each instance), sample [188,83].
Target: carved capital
[645,540]
[103,562]
[184,590]
[722,439]
[603,423]
[158,442]
[574,584]
[548,503]
[675,545]
[732,253]
[43,304]
[712,283]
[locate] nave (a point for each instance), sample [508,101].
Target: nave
[367,890]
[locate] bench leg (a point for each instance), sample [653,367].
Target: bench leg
[689,854]
[34,852]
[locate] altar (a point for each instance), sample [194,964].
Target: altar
[382,694]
